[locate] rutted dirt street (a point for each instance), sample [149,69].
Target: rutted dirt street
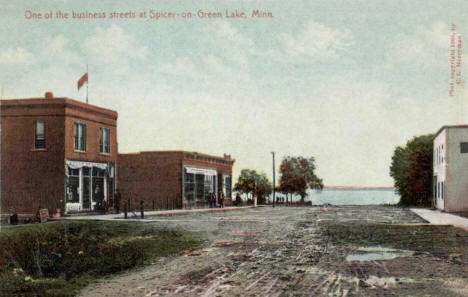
[304,251]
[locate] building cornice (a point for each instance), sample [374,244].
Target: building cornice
[57,103]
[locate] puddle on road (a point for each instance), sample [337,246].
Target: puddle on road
[377,253]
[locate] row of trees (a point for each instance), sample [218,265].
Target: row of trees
[411,169]
[297,175]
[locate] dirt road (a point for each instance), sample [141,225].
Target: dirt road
[309,251]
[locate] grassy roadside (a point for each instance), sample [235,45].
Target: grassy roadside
[57,259]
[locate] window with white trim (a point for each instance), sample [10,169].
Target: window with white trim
[104,140]
[39,141]
[80,136]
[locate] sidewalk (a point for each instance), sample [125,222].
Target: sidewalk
[131,214]
[441,218]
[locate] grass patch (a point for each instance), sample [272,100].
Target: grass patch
[57,259]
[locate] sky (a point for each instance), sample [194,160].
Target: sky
[342,81]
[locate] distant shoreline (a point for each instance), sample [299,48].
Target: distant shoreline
[357,188]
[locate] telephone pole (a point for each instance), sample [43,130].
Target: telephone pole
[274,183]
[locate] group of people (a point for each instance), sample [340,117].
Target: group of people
[214,201]
[238,200]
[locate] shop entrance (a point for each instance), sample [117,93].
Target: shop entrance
[89,186]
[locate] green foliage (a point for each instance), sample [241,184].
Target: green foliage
[251,182]
[298,175]
[56,259]
[411,169]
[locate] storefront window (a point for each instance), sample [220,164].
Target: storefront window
[227,185]
[209,185]
[89,184]
[73,186]
[86,188]
[198,185]
[200,181]
[189,186]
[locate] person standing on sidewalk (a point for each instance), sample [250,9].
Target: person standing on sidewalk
[221,199]
[117,198]
[211,199]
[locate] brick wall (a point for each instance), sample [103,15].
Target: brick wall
[157,176]
[151,176]
[33,178]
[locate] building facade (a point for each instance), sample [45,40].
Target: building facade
[56,153]
[173,179]
[450,163]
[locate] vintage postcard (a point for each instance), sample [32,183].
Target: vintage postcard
[233,148]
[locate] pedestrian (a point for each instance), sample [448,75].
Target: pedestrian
[98,197]
[117,198]
[221,199]
[211,199]
[13,219]
[238,199]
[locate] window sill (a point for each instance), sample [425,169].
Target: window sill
[104,154]
[39,150]
[79,152]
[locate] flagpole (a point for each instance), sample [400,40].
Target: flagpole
[87,83]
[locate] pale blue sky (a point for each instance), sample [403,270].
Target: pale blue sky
[344,81]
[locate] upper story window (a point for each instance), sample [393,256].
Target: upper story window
[80,136]
[463,147]
[39,141]
[104,140]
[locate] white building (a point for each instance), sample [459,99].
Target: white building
[451,168]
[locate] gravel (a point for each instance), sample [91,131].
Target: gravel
[302,251]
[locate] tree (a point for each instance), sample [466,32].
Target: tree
[411,169]
[252,183]
[298,175]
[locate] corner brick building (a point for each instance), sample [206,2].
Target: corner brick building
[173,179]
[56,153]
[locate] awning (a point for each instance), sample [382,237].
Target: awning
[202,171]
[80,164]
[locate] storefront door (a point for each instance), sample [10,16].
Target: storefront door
[86,200]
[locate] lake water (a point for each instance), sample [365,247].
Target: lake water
[351,197]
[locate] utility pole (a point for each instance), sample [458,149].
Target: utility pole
[274,183]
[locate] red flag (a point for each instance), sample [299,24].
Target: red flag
[82,80]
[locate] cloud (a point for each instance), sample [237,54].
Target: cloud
[234,45]
[57,44]
[112,44]
[57,53]
[317,40]
[224,67]
[426,46]
[17,55]
[217,65]
[183,66]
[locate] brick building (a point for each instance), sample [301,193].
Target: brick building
[173,179]
[56,153]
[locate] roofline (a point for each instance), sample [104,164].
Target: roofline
[185,153]
[11,103]
[449,126]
